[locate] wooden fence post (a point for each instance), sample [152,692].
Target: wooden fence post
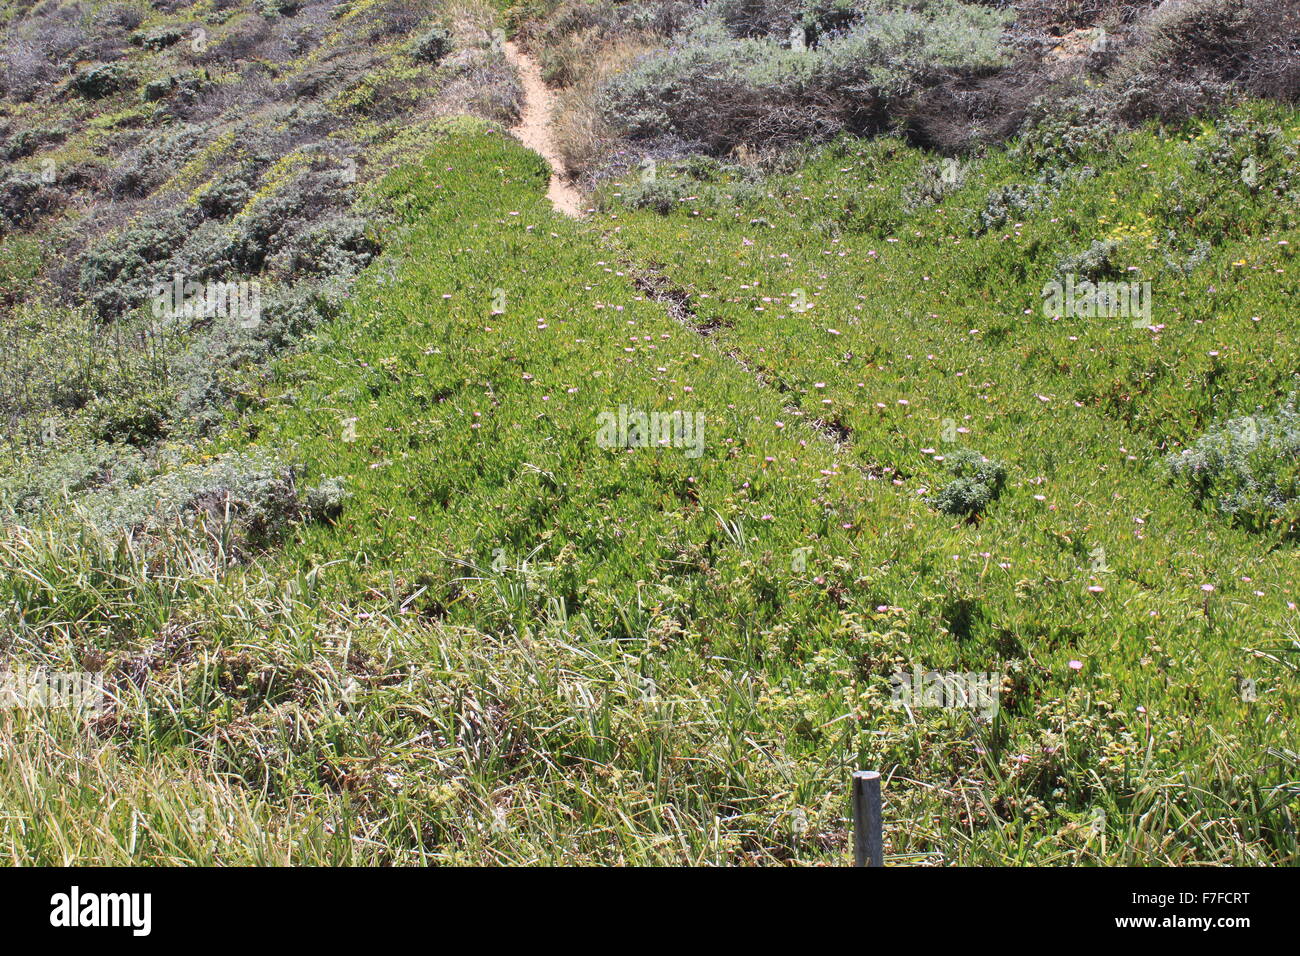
[868,836]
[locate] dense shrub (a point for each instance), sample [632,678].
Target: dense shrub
[25,142]
[894,51]
[720,92]
[703,181]
[661,195]
[1254,44]
[1192,57]
[1098,261]
[228,192]
[271,223]
[208,372]
[433,46]
[1006,204]
[608,19]
[480,82]
[325,501]
[158,39]
[338,245]
[139,418]
[182,88]
[1059,133]
[934,183]
[972,108]
[392,19]
[723,91]
[243,40]
[275,9]
[144,168]
[299,229]
[208,375]
[1252,156]
[121,16]
[39,49]
[755,18]
[1248,469]
[1243,162]
[1076,14]
[51,359]
[157,89]
[1140,96]
[1058,137]
[118,272]
[96,82]
[1184,262]
[945,73]
[977,483]
[70,471]
[823,18]
[24,199]
[255,492]
[208,252]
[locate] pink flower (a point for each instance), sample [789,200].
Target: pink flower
[1076,665]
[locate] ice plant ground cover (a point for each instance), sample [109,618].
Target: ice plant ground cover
[507,643]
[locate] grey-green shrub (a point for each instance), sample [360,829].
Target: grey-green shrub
[138,417]
[143,169]
[24,199]
[433,46]
[706,182]
[339,245]
[118,272]
[721,90]
[932,185]
[1059,133]
[257,492]
[325,501]
[1098,261]
[1194,53]
[44,483]
[977,483]
[1248,469]
[1005,204]
[25,142]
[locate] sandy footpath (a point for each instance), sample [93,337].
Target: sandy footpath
[534,129]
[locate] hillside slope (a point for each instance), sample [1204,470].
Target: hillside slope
[627,539]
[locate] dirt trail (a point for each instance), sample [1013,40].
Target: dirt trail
[534,130]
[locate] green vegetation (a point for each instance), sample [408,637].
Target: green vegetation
[366,584]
